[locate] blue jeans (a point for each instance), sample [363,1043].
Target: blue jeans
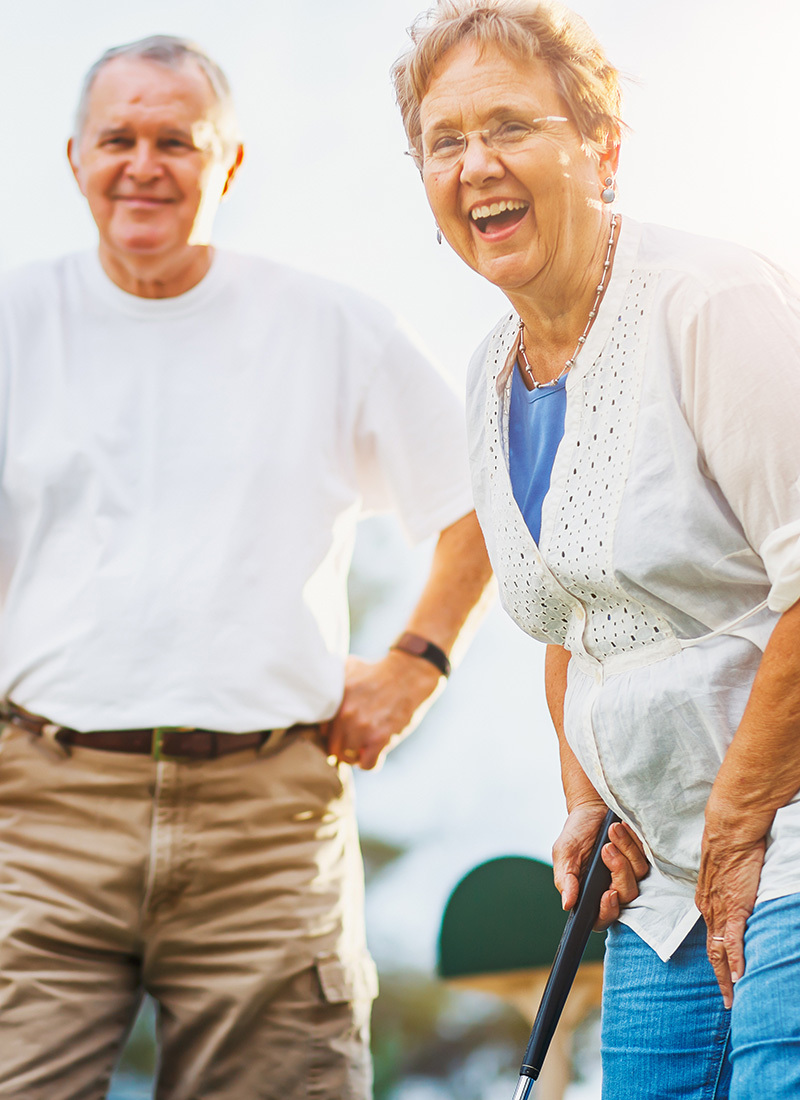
[666,1033]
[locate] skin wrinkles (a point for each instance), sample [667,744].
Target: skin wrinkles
[150,164]
[549,263]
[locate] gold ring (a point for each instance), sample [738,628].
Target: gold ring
[350,754]
[718,938]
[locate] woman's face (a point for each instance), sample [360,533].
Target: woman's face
[547,192]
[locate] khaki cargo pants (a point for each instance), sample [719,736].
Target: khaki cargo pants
[231,890]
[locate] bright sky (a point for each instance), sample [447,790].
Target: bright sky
[325,184]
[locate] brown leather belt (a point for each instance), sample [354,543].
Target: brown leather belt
[160,742]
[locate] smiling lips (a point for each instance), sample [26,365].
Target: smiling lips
[155,200]
[498,215]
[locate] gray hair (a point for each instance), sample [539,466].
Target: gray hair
[166,49]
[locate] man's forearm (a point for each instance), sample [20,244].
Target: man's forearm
[455,592]
[382,700]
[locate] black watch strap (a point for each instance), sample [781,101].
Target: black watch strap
[421,647]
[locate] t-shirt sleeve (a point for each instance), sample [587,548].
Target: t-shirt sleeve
[742,347]
[411,441]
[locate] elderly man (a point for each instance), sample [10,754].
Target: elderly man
[188,438]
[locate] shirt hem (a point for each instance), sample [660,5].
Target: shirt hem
[666,948]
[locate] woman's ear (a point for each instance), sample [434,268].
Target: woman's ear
[609,159]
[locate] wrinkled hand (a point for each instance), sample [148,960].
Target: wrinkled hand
[380,701]
[623,855]
[730,869]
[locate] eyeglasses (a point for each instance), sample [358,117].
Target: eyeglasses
[442,150]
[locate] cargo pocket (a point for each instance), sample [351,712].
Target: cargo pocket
[356,980]
[341,1066]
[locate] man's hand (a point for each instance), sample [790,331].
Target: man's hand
[624,856]
[380,702]
[384,700]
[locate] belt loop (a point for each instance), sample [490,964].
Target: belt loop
[155,750]
[157,745]
[272,738]
[49,738]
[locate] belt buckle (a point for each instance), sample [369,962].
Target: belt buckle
[156,748]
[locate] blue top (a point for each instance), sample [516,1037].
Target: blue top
[535,429]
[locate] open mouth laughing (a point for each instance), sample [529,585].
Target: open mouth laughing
[498,215]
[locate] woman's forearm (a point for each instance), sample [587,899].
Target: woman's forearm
[625,856]
[761,770]
[577,787]
[760,773]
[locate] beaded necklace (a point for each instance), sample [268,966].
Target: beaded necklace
[581,339]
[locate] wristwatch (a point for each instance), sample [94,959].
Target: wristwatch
[418,646]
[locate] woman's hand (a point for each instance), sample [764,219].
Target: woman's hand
[623,855]
[758,775]
[730,868]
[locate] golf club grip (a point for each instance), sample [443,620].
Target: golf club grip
[573,942]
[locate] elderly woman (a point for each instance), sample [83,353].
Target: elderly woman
[634,424]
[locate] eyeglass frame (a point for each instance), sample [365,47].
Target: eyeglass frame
[418,157]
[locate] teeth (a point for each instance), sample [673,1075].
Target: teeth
[496,208]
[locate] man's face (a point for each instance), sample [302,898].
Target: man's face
[149,160]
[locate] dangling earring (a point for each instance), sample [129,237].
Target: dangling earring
[438,234]
[609,194]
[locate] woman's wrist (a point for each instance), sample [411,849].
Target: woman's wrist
[731,821]
[594,806]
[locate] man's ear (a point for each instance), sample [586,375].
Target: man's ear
[74,163]
[234,168]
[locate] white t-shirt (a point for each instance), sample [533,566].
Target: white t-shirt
[181,481]
[670,537]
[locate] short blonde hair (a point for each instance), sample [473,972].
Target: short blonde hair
[584,77]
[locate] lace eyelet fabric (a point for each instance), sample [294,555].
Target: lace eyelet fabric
[565,590]
[528,591]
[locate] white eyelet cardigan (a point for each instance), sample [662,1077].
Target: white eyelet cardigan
[670,538]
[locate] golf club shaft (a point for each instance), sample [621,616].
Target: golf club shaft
[573,942]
